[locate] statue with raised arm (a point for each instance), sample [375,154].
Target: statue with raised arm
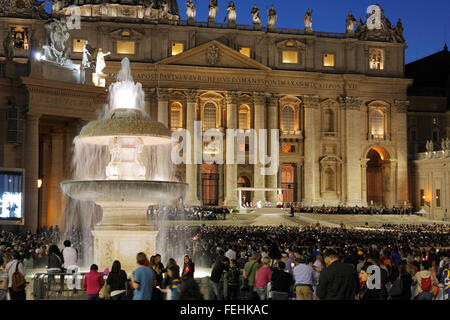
[190,10]
[272,17]
[8,46]
[213,8]
[100,65]
[350,23]
[231,14]
[255,15]
[308,20]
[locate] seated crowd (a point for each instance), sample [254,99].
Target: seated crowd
[189,213]
[298,207]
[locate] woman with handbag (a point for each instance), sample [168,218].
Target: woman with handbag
[117,282]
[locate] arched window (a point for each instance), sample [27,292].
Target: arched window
[377,124]
[244,117]
[329,180]
[209,116]
[176,119]
[287,120]
[328,120]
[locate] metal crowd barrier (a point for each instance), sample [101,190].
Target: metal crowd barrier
[46,286]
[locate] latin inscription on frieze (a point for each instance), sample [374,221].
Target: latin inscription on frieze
[235,80]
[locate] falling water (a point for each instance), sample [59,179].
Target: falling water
[89,162]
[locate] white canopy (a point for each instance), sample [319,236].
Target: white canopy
[422,211]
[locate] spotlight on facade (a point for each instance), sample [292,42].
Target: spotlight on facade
[38,56]
[39,183]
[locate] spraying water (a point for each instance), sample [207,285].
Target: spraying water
[115,159]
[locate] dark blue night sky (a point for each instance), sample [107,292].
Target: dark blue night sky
[426,23]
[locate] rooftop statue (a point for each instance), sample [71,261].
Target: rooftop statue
[255,15]
[231,14]
[8,46]
[378,27]
[272,17]
[308,20]
[350,23]
[57,35]
[190,9]
[213,8]
[164,8]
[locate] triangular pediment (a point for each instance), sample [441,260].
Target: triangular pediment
[213,54]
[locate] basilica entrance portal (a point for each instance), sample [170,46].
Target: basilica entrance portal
[378,174]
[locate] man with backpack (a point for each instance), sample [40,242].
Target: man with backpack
[233,276]
[424,279]
[16,278]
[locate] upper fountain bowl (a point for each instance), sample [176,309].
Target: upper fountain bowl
[125,123]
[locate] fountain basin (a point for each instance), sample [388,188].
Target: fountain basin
[125,191]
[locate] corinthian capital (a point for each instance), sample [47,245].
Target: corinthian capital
[273,100]
[311,101]
[351,103]
[401,105]
[259,98]
[163,94]
[191,95]
[232,97]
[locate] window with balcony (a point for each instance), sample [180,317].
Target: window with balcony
[377,128]
[287,120]
[176,119]
[209,116]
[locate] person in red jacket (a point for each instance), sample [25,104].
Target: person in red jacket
[93,283]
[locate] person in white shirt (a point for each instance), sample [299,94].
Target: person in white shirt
[70,256]
[230,254]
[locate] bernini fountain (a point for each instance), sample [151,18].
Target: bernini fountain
[124,188]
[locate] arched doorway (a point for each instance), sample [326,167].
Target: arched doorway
[244,182]
[377,176]
[287,182]
[210,190]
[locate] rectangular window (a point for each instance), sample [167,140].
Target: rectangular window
[177,48]
[78,45]
[376,59]
[438,197]
[175,119]
[290,57]
[328,60]
[245,51]
[422,197]
[125,47]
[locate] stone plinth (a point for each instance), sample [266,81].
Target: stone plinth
[122,243]
[52,71]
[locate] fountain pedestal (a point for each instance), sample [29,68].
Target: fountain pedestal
[123,232]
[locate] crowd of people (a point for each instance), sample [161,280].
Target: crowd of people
[188,213]
[298,207]
[254,262]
